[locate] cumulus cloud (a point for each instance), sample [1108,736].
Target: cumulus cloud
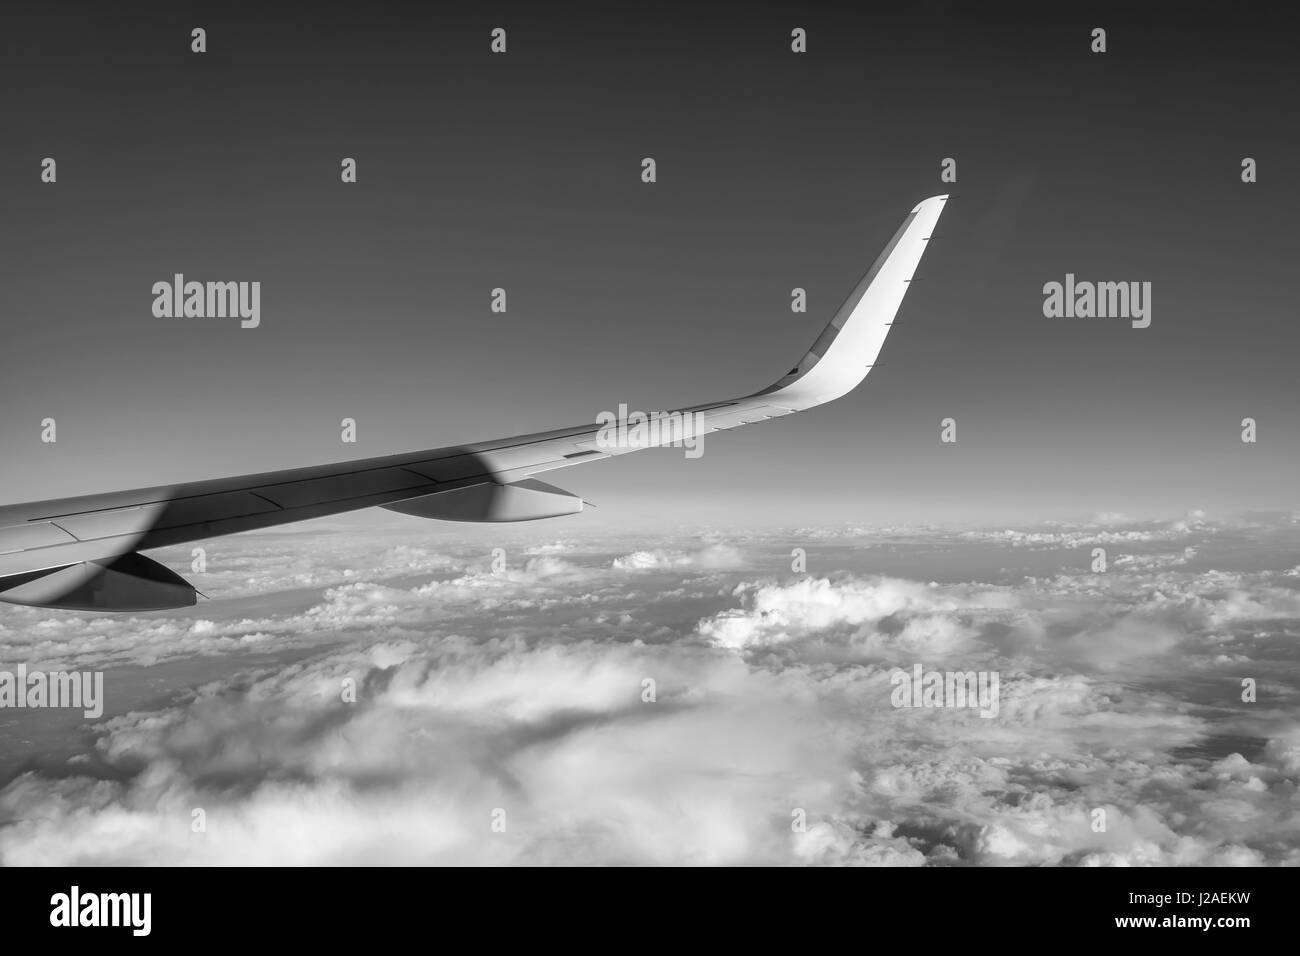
[712,556]
[926,618]
[679,701]
[560,738]
[1106,529]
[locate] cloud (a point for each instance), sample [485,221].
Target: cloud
[712,556]
[560,738]
[770,738]
[1106,529]
[926,618]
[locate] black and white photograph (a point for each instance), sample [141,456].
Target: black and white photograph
[718,435]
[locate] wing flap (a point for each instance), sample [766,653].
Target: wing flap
[25,537]
[339,488]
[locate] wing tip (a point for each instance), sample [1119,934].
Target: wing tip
[925,202]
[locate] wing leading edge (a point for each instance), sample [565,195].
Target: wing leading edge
[80,552]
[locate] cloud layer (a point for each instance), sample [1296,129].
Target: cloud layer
[691,700]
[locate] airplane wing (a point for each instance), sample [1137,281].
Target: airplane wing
[83,553]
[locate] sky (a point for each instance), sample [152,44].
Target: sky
[775,170]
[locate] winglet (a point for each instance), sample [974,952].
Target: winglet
[847,348]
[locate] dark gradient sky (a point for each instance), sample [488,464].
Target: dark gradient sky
[775,170]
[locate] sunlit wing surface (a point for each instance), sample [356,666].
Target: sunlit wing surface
[82,553]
